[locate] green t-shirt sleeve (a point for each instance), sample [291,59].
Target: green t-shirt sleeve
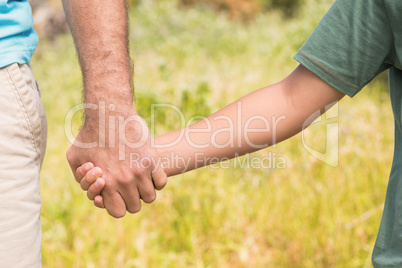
[350,45]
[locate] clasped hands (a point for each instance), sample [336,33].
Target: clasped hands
[101,161]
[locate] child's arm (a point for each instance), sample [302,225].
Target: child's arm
[255,121]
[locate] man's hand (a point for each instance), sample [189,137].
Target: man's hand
[123,152]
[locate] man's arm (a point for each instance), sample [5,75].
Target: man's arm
[112,130]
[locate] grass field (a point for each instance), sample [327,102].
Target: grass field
[304,213]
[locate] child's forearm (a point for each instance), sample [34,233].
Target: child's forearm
[257,120]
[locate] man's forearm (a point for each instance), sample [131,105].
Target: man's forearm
[100,32]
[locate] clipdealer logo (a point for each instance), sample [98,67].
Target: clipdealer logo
[330,155]
[116,128]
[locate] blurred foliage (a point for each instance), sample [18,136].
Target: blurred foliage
[308,214]
[240,9]
[288,7]
[196,102]
[247,9]
[237,9]
[50,21]
[133,3]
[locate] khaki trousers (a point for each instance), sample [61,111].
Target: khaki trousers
[23,130]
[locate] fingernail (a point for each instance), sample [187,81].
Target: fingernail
[97,184]
[87,167]
[95,172]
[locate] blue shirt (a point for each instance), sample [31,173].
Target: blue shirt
[18,39]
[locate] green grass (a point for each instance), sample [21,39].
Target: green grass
[307,214]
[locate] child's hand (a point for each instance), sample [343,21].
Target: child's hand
[91,181]
[98,201]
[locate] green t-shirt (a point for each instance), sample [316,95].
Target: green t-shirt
[355,41]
